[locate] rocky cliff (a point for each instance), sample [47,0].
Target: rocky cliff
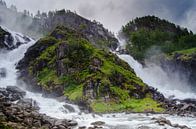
[5,38]
[10,40]
[66,63]
[184,61]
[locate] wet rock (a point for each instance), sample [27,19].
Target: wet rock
[25,113]
[28,103]
[163,121]
[98,123]
[15,89]
[143,127]
[72,123]
[61,98]
[69,108]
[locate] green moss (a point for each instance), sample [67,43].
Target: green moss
[74,92]
[133,105]
[48,77]
[187,51]
[184,55]
[120,93]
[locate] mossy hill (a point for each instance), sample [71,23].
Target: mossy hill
[45,22]
[149,32]
[66,63]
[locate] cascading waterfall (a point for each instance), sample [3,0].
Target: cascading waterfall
[54,108]
[171,86]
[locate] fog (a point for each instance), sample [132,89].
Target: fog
[115,13]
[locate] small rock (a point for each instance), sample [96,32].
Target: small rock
[82,127]
[98,123]
[72,123]
[69,108]
[15,89]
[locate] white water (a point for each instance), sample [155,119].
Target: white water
[53,108]
[153,75]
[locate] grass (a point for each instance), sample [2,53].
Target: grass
[48,77]
[187,51]
[74,92]
[132,105]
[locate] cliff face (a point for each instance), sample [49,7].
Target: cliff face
[184,61]
[43,23]
[3,35]
[10,40]
[66,63]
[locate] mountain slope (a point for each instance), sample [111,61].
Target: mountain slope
[43,23]
[147,33]
[66,63]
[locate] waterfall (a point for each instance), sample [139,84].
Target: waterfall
[54,108]
[172,86]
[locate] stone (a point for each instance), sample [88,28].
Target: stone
[72,123]
[143,127]
[82,127]
[15,89]
[98,123]
[69,108]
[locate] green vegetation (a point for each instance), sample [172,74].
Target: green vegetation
[85,73]
[3,126]
[133,105]
[147,32]
[187,51]
[183,55]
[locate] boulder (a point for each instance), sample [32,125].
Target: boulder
[28,103]
[69,108]
[15,89]
[98,123]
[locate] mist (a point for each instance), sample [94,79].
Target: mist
[115,13]
[171,80]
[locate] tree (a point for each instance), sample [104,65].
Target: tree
[13,8]
[38,15]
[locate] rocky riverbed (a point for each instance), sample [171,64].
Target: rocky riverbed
[19,112]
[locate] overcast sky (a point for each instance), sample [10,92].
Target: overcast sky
[115,13]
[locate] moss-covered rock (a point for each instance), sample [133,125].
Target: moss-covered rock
[184,61]
[66,63]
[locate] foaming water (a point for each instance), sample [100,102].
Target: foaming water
[54,108]
[172,85]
